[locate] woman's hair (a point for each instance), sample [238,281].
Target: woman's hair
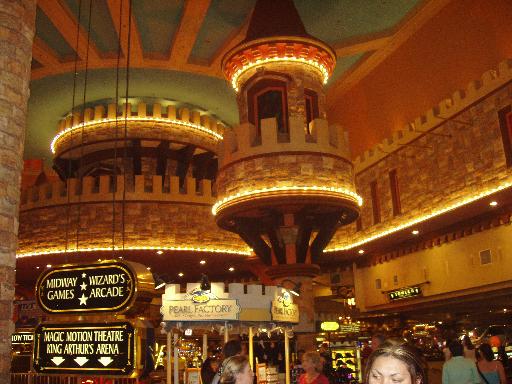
[466,341]
[207,371]
[406,353]
[230,367]
[486,352]
[315,359]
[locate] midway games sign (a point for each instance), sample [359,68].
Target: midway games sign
[102,287]
[85,348]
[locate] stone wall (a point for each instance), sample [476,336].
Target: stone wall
[99,125]
[17,24]
[153,218]
[452,155]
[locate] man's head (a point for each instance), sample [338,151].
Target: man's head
[232,348]
[456,348]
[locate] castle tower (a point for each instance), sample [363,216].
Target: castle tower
[285,181]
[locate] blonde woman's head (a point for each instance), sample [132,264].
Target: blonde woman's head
[314,360]
[236,370]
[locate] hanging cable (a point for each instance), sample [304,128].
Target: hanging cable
[126,118]
[83,125]
[114,171]
[68,175]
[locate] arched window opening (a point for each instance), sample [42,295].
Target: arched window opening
[311,101]
[266,99]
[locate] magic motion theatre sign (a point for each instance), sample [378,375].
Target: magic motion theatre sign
[85,348]
[86,288]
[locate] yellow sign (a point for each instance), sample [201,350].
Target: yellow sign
[329,326]
[284,310]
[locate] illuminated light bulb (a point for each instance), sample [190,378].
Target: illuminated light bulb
[231,269]
[202,262]
[148,268]
[48,265]
[493,203]
[180,274]
[415,232]
[361,251]
[159,252]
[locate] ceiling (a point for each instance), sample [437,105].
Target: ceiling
[175,51]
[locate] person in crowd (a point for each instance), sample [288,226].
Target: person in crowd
[396,361]
[327,369]
[297,369]
[446,351]
[490,370]
[231,348]
[312,364]
[236,370]
[377,340]
[469,348]
[209,369]
[459,370]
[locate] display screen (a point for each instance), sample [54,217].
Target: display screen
[87,288]
[84,348]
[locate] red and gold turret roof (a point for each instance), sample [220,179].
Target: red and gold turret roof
[276,33]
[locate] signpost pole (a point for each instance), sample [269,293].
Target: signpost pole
[226,332]
[168,359]
[205,346]
[176,360]
[251,349]
[287,356]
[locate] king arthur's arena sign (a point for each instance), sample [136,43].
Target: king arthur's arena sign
[106,348]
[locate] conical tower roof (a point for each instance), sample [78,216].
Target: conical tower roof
[272,18]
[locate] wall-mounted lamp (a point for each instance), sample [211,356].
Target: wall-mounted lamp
[160,281]
[296,287]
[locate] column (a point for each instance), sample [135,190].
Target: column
[17,24]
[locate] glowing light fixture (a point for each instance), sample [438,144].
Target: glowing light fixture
[324,72]
[48,265]
[420,219]
[341,193]
[134,248]
[149,119]
[159,252]
[493,203]
[180,274]
[361,251]
[415,232]
[202,262]
[231,269]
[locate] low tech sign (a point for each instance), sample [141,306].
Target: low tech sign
[103,287]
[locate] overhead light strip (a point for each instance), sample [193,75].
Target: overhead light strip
[91,123]
[423,218]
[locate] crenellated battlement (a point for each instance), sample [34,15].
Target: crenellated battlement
[446,109]
[106,116]
[244,141]
[100,189]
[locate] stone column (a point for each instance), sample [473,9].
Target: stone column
[17,24]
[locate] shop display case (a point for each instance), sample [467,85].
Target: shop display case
[346,362]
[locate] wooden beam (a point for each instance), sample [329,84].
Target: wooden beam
[121,23]
[43,54]
[408,28]
[186,35]
[361,47]
[185,156]
[233,39]
[65,22]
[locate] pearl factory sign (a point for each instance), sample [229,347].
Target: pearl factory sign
[84,348]
[86,288]
[284,310]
